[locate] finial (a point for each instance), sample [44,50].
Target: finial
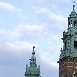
[73,4]
[33,50]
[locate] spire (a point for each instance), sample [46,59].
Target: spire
[72,19]
[33,70]
[73,5]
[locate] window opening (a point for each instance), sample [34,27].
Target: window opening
[75,44]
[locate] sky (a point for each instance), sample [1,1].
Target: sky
[28,23]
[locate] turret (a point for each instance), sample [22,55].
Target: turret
[32,70]
[72,19]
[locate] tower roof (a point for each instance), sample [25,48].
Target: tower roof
[32,69]
[73,13]
[72,19]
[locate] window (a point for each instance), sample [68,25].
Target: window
[65,45]
[75,23]
[75,44]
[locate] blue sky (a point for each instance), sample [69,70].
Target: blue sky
[28,23]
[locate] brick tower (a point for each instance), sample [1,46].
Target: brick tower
[68,57]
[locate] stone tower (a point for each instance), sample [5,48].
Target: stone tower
[32,70]
[68,57]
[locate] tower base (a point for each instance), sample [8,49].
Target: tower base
[68,67]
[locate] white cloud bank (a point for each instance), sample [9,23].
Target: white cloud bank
[52,15]
[7,6]
[18,48]
[29,29]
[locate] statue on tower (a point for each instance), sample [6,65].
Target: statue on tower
[32,70]
[73,5]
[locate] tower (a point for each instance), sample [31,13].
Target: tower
[68,57]
[32,70]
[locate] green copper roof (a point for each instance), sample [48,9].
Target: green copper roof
[32,70]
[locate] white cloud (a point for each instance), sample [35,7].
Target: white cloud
[18,48]
[29,29]
[2,32]
[62,1]
[25,31]
[43,1]
[23,17]
[38,1]
[45,57]
[7,6]
[52,15]
[56,20]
